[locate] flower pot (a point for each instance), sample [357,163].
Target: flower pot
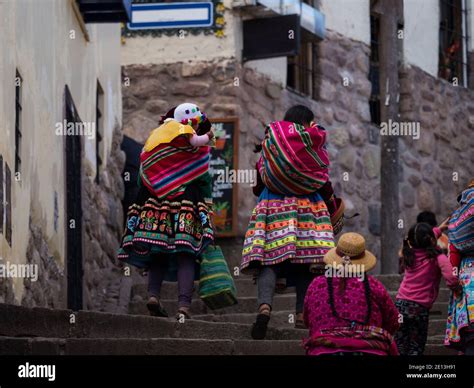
[220,143]
[220,218]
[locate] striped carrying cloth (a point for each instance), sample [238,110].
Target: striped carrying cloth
[461,224]
[294,160]
[169,167]
[216,285]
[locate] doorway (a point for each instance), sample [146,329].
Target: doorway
[73,189]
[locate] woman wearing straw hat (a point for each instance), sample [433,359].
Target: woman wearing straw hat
[346,310]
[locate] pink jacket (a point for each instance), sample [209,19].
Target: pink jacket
[350,304]
[421,282]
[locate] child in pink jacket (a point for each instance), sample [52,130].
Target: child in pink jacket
[424,265]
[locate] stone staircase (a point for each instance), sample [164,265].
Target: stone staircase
[40,331]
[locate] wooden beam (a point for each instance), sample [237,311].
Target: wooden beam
[390,15]
[80,20]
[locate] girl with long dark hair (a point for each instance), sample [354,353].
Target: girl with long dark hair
[424,264]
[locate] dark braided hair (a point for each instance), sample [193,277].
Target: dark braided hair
[420,236]
[367,299]
[428,217]
[168,115]
[299,114]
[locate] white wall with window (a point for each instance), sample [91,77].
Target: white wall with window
[350,18]
[44,42]
[438,37]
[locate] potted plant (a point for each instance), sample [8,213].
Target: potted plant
[220,138]
[220,214]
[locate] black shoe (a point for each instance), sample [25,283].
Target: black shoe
[156,309]
[259,328]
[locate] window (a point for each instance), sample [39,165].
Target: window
[300,72]
[301,68]
[453,41]
[374,72]
[99,107]
[18,109]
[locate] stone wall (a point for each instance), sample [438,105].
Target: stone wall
[226,88]
[105,286]
[6,290]
[47,291]
[437,166]
[353,141]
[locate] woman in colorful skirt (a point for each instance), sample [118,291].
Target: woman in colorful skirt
[460,324]
[290,228]
[169,225]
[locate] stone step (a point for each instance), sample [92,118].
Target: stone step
[438,338]
[245,287]
[439,310]
[17,321]
[146,346]
[161,346]
[436,326]
[285,320]
[280,319]
[169,290]
[248,304]
[435,346]
[439,350]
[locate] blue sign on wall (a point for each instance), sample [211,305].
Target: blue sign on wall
[171,15]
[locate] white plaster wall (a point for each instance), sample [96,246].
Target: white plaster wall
[274,68]
[350,18]
[421,35]
[470,24]
[36,39]
[171,49]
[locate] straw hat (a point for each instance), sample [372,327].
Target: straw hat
[351,251]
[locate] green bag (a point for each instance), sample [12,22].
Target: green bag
[216,285]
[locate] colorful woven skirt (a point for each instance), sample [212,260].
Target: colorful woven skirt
[155,229]
[283,228]
[460,324]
